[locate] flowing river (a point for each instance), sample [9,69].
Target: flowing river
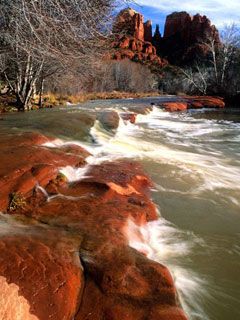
[193,159]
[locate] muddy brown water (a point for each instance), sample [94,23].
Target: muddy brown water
[194,160]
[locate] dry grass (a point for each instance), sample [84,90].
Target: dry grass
[7,103]
[51,99]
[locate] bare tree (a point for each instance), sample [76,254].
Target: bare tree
[41,37]
[224,55]
[125,76]
[197,78]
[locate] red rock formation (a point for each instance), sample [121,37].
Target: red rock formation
[193,102]
[131,23]
[205,102]
[40,262]
[109,119]
[22,167]
[177,22]
[148,31]
[185,37]
[174,106]
[134,40]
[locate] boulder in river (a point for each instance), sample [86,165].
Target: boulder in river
[109,119]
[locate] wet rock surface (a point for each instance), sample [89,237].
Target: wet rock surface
[109,119]
[193,102]
[65,245]
[46,273]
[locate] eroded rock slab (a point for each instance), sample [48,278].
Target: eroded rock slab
[86,220]
[193,102]
[39,280]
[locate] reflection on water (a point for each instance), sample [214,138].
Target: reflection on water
[194,160]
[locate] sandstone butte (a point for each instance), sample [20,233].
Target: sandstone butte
[185,38]
[134,40]
[65,250]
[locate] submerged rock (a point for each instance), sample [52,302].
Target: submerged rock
[127,116]
[141,109]
[109,119]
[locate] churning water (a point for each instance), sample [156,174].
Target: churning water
[194,160]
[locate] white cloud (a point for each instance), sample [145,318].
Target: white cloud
[219,11]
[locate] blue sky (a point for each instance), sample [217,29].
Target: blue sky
[221,12]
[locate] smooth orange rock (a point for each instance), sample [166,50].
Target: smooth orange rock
[193,102]
[25,163]
[174,106]
[205,102]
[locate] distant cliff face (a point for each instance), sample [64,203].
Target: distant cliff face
[131,23]
[186,37]
[134,39]
[191,29]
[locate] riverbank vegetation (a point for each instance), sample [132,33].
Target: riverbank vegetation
[216,74]
[59,52]
[49,38]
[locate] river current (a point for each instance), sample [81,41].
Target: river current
[193,159]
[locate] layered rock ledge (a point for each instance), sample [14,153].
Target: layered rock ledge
[193,102]
[65,250]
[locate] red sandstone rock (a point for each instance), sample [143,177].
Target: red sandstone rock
[129,117]
[140,109]
[130,22]
[175,106]
[136,38]
[148,31]
[194,102]
[205,102]
[121,283]
[177,22]
[185,37]
[109,119]
[25,165]
[43,276]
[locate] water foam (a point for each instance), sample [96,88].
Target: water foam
[163,242]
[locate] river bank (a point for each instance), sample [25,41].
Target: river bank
[50,100]
[182,102]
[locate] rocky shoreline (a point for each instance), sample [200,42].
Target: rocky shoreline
[68,225]
[65,244]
